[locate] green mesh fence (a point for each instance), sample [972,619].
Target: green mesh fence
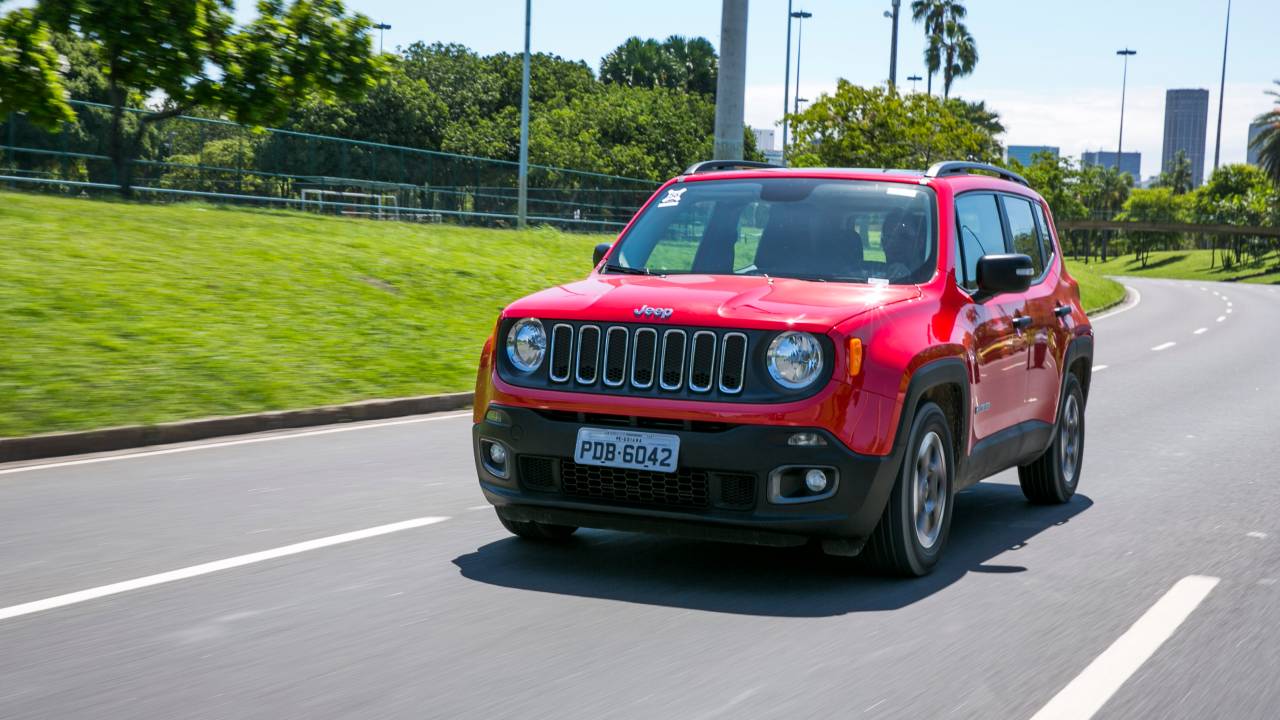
[186,157]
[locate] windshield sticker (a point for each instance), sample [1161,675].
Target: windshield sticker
[877,281]
[903,192]
[672,198]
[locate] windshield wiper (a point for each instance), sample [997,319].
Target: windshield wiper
[628,270]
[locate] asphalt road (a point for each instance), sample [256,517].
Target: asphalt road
[1033,610]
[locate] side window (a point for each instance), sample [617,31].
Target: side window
[1046,239]
[1022,226]
[981,232]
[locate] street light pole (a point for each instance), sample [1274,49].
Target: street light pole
[893,47]
[522,200]
[381,28]
[1124,85]
[1222,88]
[786,86]
[914,79]
[800,15]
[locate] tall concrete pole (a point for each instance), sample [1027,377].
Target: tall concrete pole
[786,87]
[731,86]
[522,202]
[893,47]
[1222,88]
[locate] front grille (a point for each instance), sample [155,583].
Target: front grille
[588,354]
[685,488]
[672,359]
[737,490]
[537,473]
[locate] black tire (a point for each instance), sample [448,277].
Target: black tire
[538,532]
[1054,476]
[896,547]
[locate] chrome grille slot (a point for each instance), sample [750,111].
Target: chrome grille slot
[588,354]
[702,361]
[673,354]
[561,352]
[733,362]
[644,350]
[615,356]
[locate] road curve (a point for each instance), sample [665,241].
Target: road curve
[1155,593]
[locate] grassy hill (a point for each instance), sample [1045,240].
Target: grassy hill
[115,313]
[1190,265]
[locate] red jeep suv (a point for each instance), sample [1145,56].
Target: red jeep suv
[783,356]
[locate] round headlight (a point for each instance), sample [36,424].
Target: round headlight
[526,344]
[795,360]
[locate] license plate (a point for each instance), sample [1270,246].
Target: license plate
[627,449]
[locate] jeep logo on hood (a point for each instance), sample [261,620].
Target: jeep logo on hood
[660,313]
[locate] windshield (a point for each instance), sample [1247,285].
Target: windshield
[808,228]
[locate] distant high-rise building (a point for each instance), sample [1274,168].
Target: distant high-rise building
[1252,153]
[764,139]
[1130,162]
[1186,118]
[1023,153]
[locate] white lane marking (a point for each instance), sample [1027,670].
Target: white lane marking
[1137,298]
[1221,318]
[1087,693]
[1098,368]
[1224,297]
[228,443]
[1215,292]
[210,567]
[1228,304]
[1201,331]
[479,507]
[1203,288]
[1256,534]
[1228,311]
[1164,346]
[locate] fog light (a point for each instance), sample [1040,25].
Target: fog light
[815,480]
[498,454]
[806,439]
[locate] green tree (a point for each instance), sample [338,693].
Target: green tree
[959,54]
[1239,195]
[678,63]
[1056,179]
[934,15]
[29,78]
[192,53]
[876,127]
[1155,205]
[1102,191]
[1268,141]
[1178,177]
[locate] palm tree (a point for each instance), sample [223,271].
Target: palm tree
[1268,141]
[960,54]
[1178,178]
[935,14]
[695,62]
[638,63]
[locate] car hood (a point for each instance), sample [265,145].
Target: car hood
[748,301]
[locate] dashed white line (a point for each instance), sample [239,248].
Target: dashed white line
[1164,346]
[1200,331]
[1228,311]
[228,443]
[210,567]
[1098,368]
[1091,689]
[1256,534]
[1221,318]
[1215,292]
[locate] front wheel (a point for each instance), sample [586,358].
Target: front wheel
[538,532]
[915,524]
[1052,478]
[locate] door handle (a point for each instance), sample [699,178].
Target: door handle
[1021,321]
[1062,310]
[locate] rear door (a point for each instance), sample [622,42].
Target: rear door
[1000,349]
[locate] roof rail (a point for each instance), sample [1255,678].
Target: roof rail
[958,167]
[718,165]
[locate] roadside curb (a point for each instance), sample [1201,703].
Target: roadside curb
[1131,298]
[34,447]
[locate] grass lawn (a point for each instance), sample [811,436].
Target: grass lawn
[1096,291]
[1188,265]
[115,313]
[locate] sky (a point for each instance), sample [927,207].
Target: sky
[1049,69]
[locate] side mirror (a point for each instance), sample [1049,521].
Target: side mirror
[997,274]
[598,254]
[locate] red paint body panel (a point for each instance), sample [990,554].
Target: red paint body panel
[1014,374]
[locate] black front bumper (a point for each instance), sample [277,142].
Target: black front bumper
[710,453]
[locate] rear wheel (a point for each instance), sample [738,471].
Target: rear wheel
[917,520]
[1053,477]
[539,532]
